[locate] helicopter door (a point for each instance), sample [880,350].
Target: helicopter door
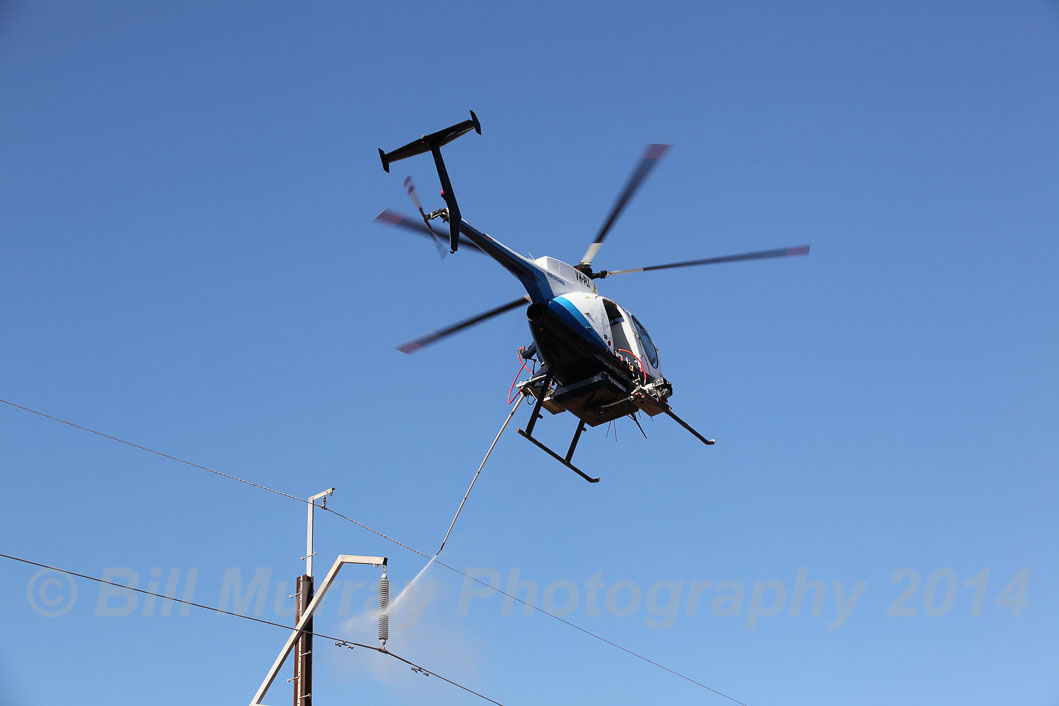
[619,332]
[630,337]
[650,351]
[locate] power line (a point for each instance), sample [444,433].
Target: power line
[388,538]
[561,619]
[155,452]
[339,642]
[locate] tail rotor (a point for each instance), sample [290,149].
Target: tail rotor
[438,241]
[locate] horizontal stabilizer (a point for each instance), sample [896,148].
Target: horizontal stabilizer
[427,143]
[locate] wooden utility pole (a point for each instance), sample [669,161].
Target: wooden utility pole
[303,650]
[307,615]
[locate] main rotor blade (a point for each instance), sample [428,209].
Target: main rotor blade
[423,341]
[650,157]
[759,255]
[416,225]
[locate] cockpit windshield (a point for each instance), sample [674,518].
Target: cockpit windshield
[648,344]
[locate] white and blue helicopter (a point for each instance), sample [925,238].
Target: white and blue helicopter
[597,360]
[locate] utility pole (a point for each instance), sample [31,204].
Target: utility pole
[303,650]
[302,625]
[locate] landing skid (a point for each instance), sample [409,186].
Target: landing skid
[560,459]
[638,399]
[697,435]
[528,434]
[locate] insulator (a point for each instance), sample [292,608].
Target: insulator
[384,603]
[384,593]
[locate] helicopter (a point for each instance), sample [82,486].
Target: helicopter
[597,360]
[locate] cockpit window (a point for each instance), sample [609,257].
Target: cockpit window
[648,344]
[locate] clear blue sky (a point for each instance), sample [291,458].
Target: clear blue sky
[188,261]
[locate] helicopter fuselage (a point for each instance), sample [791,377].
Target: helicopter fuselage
[578,332]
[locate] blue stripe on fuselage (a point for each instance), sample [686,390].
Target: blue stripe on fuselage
[573,317]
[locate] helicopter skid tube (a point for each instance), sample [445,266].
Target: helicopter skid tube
[528,434]
[560,459]
[697,435]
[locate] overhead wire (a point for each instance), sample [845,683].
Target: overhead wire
[388,538]
[339,641]
[154,451]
